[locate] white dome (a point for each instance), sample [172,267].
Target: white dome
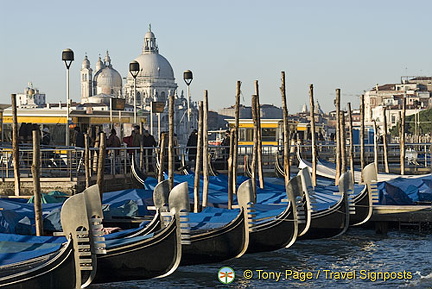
[108,80]
[154,65]
[85,63]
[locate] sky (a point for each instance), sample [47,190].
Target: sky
[352,45]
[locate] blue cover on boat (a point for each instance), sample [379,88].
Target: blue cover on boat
[15,248]
[130,203]
[406,191]
[211,218]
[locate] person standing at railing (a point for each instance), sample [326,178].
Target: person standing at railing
[136,142]
[192,145]
[114,142]
[148,142]
[46,137]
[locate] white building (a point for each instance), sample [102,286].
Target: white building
[389,97]
[31,98]
[154,83]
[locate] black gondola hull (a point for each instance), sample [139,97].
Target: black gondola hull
[216,245]
[274,234]
[144,259]
[56,272]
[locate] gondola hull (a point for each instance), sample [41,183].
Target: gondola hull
[148,258]
[42,272]
[216,245]
[274,234]
[328,223]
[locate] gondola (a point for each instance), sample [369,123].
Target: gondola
[215,234]
[272,221]
[272,226]
[361,198]
[330,210]
[139,254]
[328,170]
[52,262]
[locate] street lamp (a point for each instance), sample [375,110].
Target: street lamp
[67,57]
[134,69]
[188,77]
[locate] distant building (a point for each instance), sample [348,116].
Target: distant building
[31,98]
[268,111]
[390,97]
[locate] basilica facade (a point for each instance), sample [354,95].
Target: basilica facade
[154,83]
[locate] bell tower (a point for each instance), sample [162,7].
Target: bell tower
[86,80]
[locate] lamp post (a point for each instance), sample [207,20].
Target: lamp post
[134,68]
[188,77]
[67,57]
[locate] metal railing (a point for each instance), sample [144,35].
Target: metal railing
[69,162]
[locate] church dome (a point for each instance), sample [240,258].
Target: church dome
[154,65]
[108,78]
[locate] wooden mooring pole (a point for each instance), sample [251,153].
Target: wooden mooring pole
[235,138]
[286,131]
[15,146]
[402,137]
[199,156]
[362,136]
[338,137]
[170,141]
[163,143]
[376,149]
[255,145]
[385,143]
[259,136]
[101,163]
[312,128]
[342,133]
[351,144]
[35,169]
[87,160]
[205,151]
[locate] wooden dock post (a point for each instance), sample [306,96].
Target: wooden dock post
[313,139]
[205,151]
[259,136]
[15,146]
[338,137]
[170,141]
[286,131]
[35,169]
[385,143]
[198,161]
[351,145]
[101,162]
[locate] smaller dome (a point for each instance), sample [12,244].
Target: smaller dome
[149,35]
[86,63]
[108,79]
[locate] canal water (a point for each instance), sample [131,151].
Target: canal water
[358,259]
